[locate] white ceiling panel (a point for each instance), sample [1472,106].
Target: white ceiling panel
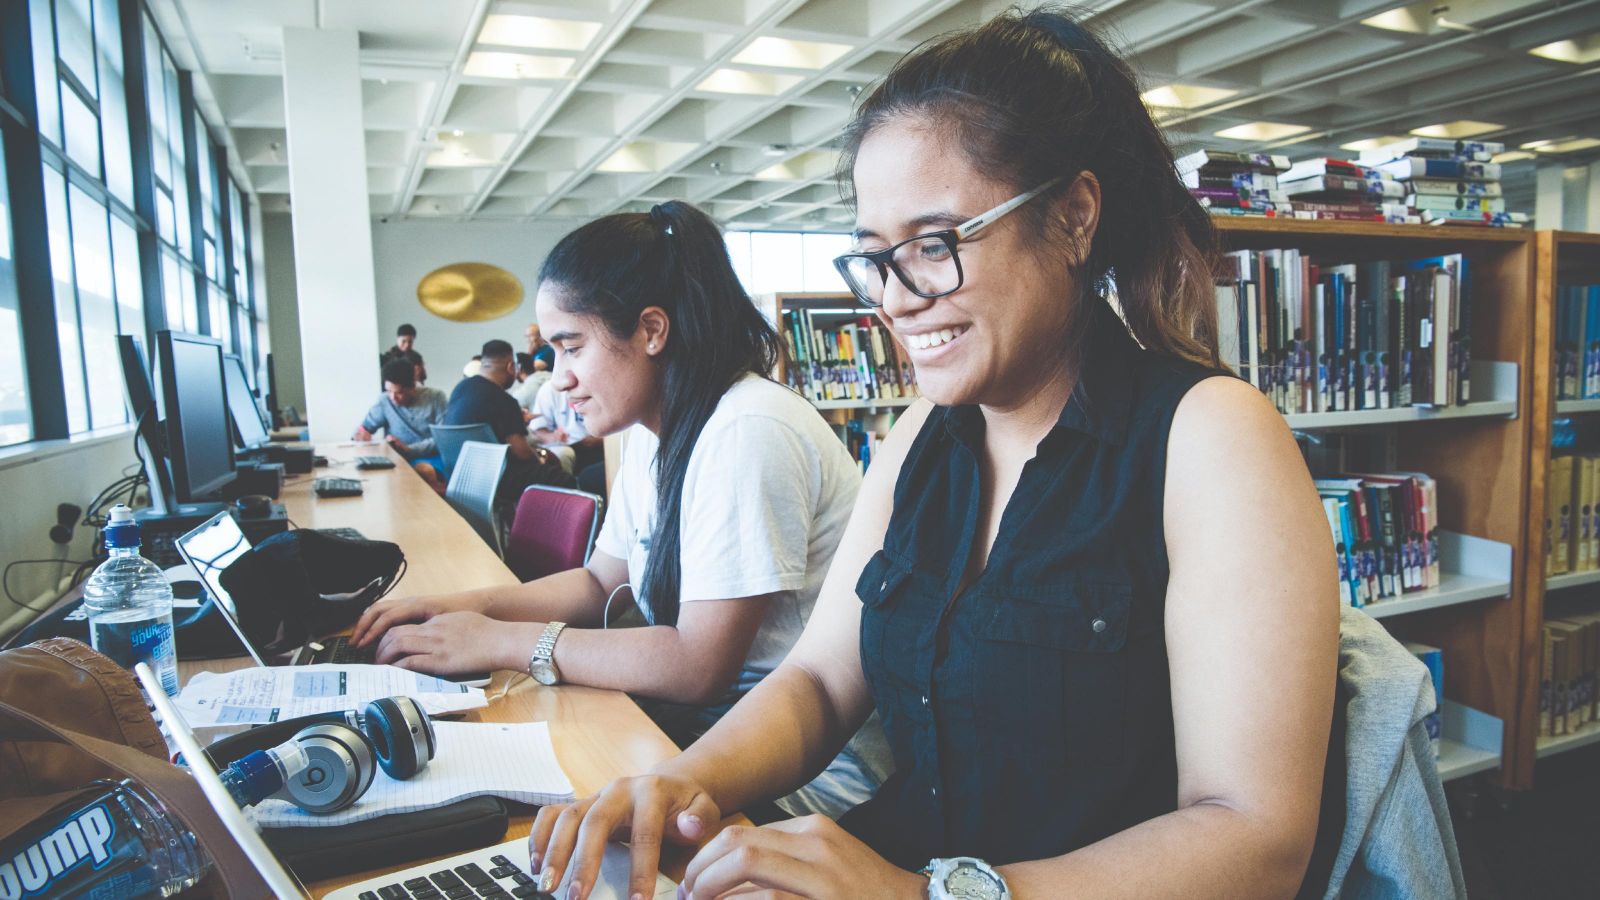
[738,104]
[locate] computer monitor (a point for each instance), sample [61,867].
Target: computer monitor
[248,430]
[199,438]
[142,407]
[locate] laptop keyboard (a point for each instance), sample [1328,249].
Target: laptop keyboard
[374,462]
[161,548]
[340,651]
[461,882]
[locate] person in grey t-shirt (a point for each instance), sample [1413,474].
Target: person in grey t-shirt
[406,413]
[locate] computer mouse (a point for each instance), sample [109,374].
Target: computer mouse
[253,505]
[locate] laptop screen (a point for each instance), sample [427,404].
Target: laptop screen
[210,548]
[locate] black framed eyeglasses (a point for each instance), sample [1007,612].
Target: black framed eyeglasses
[928,264]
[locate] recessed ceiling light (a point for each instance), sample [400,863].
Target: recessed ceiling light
[1582,50]
[1262,131]
[457,132]
[1461,128]
[1512,156]
[626,159]
[736,81]
[489,64]
[1567,145]
[786,54]
[1185,96]
[1399,19]
[1366,144]
[538,33]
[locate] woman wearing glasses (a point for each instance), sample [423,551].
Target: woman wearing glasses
[1089,591]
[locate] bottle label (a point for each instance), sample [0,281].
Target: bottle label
[50,864]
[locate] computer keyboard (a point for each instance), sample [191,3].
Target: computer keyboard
[161,548]
[465,881]
[337,487]
[340,651]
[374,462]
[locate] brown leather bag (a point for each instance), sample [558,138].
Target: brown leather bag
[68,716]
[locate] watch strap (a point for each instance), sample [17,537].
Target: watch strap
[544,649]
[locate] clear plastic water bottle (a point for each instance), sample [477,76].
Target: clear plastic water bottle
[129,604]
[111,841]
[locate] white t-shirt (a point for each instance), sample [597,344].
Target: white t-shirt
[551,411]
[767,494]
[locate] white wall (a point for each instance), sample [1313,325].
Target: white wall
[283,309]
[403,252]
[32,484]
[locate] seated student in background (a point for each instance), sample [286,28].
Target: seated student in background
[1090,592]
[728,505]
[557,427]
[483,399]
[529,380]
[544,355]
[406,413]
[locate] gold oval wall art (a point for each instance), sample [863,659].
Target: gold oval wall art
[469,292]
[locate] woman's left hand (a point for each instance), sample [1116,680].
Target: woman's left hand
[808,857]
[457,643]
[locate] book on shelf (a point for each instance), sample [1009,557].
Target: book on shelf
[1437,148]
[1447,186]
[1577,341]
[1327,165]
[1468,217]
[1229,160]
[1468,202]
[853,359]
[1318,337]
[1569,684]
[1572,514]
[1385,534]
[1340,187]
[1409,167]
[1433,658]
[1228,183]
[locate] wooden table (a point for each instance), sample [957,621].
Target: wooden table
[599,735]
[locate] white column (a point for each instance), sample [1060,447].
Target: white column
[1591,216]
[332,228]
[1547,196]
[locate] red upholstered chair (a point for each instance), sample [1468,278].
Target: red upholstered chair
[552,531]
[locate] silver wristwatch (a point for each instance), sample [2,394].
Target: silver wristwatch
[964,878]
[542,664]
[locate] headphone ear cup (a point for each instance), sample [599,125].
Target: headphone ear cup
[340,766]
[402,735]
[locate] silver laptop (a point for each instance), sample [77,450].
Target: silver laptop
[503,865]
[213,546]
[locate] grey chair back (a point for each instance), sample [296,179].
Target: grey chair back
[449,438]
[474,480]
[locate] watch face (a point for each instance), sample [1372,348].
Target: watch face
[968,882]
[544,673]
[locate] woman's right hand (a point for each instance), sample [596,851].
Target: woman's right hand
[385,614]
[643,810]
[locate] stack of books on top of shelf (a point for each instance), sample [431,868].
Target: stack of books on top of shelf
[1433,658]
[853,360]
[1236,184]
[1572,514]
[1447,182]
[1569,686]
[1329,337]
[1577,341]
[1327,188]
[1385,534]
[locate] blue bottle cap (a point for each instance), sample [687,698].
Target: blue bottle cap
[122,532]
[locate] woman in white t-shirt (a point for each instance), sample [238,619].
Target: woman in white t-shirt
[723,518]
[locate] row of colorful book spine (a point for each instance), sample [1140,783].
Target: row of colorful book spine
[1385,531]
[1577,341]
[851,360]
[1335,337]
[1572,514]
[1569,685]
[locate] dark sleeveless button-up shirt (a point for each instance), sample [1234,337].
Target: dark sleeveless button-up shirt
[1032,715]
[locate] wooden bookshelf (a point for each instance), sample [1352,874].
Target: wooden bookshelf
[1560,257]
[1478,453]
